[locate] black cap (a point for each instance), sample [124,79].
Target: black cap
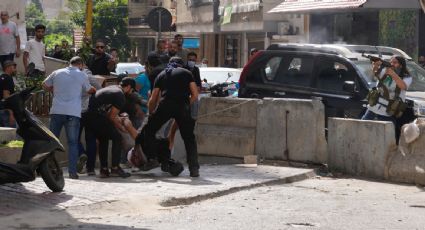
[128,81]
[8,63]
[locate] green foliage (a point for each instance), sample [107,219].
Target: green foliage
[56,39]
[109,22]
[398,29]
[13,144]
[34,16]
[38,5]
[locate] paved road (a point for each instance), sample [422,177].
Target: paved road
[255,198]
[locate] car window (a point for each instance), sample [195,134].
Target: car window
[331,74]
[272,67]
[290,70]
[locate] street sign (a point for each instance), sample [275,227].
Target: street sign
[159,19]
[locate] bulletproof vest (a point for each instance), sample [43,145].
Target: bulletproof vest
[395,106]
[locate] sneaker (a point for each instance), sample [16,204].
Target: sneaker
[73,176]
[194,172]
[81,163]
[118,172]
[104,173]
[91,173]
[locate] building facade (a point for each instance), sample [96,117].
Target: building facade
[143,38]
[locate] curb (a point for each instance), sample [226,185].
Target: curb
[195,199]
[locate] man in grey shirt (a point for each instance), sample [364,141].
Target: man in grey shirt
[67,85]
[10,43]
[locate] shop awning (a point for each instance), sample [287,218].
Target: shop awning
[313,5]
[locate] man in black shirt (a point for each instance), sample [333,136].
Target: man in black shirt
[154,66]
[104,122]
[100,63]
[7,87]
[174,91]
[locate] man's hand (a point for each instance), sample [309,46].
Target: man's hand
[18,53]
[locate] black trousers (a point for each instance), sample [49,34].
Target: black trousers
[181,114]
[104,130]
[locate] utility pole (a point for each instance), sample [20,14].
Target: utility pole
[89,19]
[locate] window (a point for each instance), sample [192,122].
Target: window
[272,67]
[332,74]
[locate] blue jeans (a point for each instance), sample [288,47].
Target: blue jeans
[369,115]
[4,119]
[72,128]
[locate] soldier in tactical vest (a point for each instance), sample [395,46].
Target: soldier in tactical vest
[386,100]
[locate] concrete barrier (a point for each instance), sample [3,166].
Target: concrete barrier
[7,134]
[10,155]
[292,126]
[408,163]
[360,148]
[227,126]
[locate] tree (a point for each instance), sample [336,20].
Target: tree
[109,22]
[34,16]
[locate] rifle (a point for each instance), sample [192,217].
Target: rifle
[375,59]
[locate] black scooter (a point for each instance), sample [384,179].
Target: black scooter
[38,152]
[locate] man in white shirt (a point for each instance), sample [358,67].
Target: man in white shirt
[10,42]
[35,51]
[67,85]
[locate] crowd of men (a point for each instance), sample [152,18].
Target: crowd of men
[135,108]
[165,94]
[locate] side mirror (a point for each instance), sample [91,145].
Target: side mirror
[349,86]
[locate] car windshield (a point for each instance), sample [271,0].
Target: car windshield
[417,73]
[130,69]
[220,75]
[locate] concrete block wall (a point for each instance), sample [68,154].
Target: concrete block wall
[226,126]
[360,148]
[7,134]
[240,127]
[407,165]
[297,126]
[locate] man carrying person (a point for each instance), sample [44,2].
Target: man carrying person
[35,51]
[100,63]
[7,87]
[10,43]
[174,91]
[67,85]
[104,121]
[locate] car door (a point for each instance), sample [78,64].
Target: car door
[284,74]
[331,73]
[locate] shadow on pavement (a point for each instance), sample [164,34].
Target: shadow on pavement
[25,206]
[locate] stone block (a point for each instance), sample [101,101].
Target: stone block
[226,126]
[7,134]
[360,148]
[250,159]
[295,125]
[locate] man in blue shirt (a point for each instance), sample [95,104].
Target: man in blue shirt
[67,85]
[143,87]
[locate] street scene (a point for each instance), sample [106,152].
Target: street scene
[212,114]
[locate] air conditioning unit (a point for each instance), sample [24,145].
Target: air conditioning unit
[285,28]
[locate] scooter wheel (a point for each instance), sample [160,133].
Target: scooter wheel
[51,172]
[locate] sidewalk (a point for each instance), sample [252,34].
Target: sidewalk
[153,188]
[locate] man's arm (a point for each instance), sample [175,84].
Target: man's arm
[48,82]
[153,100]
[18,46]
[193,92]
[25,61]
[116,120]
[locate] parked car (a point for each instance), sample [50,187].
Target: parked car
[216,76]
[132,68]
[338,75]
